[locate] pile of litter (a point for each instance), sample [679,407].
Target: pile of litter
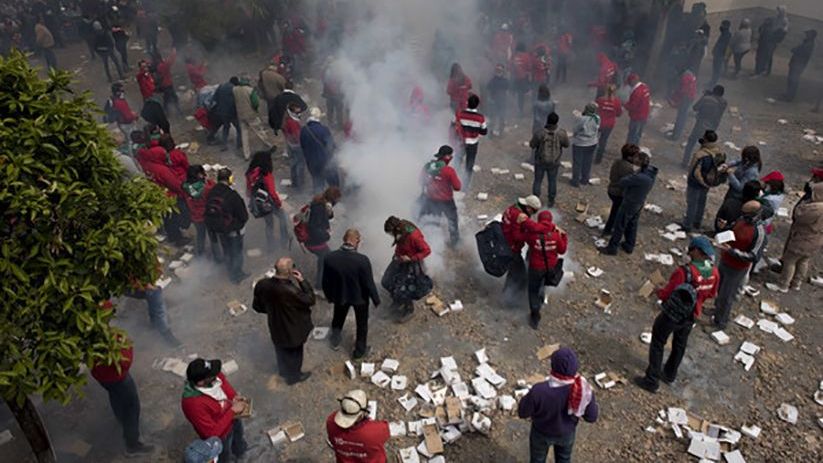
[707,441]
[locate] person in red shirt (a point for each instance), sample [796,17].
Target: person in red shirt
[705,279]
[355,437]
[419,109]
[517,224]
[541,64]
[177,159]
[197,73]
[609,109]
[125,116]
[197,187]
[440,181]
[291,132]
[211,405]
[638,106]
[682,99]
[546,243]
[458,88]
[156,164]
[605,75]
[260,176]
[410,249]
[564,54]
[145,80]
[502,44]
[521,67]
[166,84]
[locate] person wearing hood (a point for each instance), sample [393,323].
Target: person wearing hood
[246,103]
[548,147]
[287,299]
[741,44]
[517,224]
[212,406]
[155,163]
[705,279]
[546,243]
[440,181]
[742,172]
[224,113]
[542,107]
[703,162]
[805,237]
[636,188]
[719,51]
[498,89]
[774,191]
[410,249]
[556,406]
[710,109]
[354,436]
[104,47]
[197,188]
[638,106]
[259,180]
[317,144]
[584,142]
[153,113]
[620,168]
[737,258]
[609,108]
[682,100]
[801,55]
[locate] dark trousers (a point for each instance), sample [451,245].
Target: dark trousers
[738,61]
[125,403]
[497,117]
[170,99]
[550,172]
[582,157]
[297,167]
[605,133]
[122,49]
[616,202]
[539,447]
[695,207]
[447,208]
[635,132]
[682,117]
[321,254]
[200,242]
[661,330]
[697,132]
[106,57]
[171,225]
[562,66]
[232,243]
[225,124]
[234,443]
[361,317]
[334,111]
[470,155]
[49,57]
[717,69]
[625,224]
[283,221]
[515,284]
[289,362]
[793,82]
[537,289]
[730,282]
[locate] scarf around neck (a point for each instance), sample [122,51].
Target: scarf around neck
[580,395]
[215,391]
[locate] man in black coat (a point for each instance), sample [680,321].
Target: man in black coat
[224,114]
[287,300]
[226,216]
[348,282]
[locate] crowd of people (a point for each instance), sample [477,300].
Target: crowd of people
[526,60]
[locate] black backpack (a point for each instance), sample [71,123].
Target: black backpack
[215,217]
[110,115]
[261,203]
[712,175]
[679,307]
[495,252]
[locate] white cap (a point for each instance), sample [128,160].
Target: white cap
[315,112]
[531,201]
[353,405]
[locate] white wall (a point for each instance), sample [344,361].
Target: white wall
[809,8]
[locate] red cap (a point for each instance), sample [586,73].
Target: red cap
[773,175]
[817,172]
[544,216]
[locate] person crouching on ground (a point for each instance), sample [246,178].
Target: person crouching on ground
[546,242]
[353,436]
[517,223]
[410,248]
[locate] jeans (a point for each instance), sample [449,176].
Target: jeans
[582,163]
[717,69]
[695,207]
[471,154]
[738,60]
[156,306]
[361,318]
[497,117]
[661,330]
[125,403]
[334,111]
[625,224]
[697,131]
[105,57]
[795,269]
[550,171]
[616,202]
[537,289]
[682,117]
[49,57]
[605,133]
[447,208]
[226,125]
[730,282]
[232,244]
[284,228]
[200,242]
[515,283]
[635,132]
[321,254]
[234,443]
[539,447]
[289,362]
[297,167]
[122,49]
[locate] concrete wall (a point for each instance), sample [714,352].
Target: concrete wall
[808,8]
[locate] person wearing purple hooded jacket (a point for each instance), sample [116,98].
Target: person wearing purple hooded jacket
[555,407]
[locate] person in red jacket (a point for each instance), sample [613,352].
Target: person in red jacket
[197,187]
[546,242]
[541,64]
[440,181]
[638,106]
[177,159]
[605,75]
[197,73]
[166,84]
[211,405]
[125,116]
[123,397]
[410,248]
[418,108]
[564,54]
[458,88]
[502,45]
[521,67]
[609,109]
[354,437]
[705,279]
[517,224]
[145,80]
[156,165]
[259,183]
[682,99]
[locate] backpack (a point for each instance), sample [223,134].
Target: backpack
[495,252]
[301,224]
[215,217]
[712,175]
[110,114]
[679,307]
[549,151]
[261,203]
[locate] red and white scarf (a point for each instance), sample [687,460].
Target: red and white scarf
[580,395]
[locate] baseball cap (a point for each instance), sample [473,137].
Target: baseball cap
[352,406]
[531,201]
[200,369]
[702,244]
[203,451]
[444,151]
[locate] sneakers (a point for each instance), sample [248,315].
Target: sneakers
[334,340]
[777,288]
[171,339]
[303,376]
[138,450]
[534,320]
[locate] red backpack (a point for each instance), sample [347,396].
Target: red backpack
[301,224]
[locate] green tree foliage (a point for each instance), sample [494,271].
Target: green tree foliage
[74,232]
